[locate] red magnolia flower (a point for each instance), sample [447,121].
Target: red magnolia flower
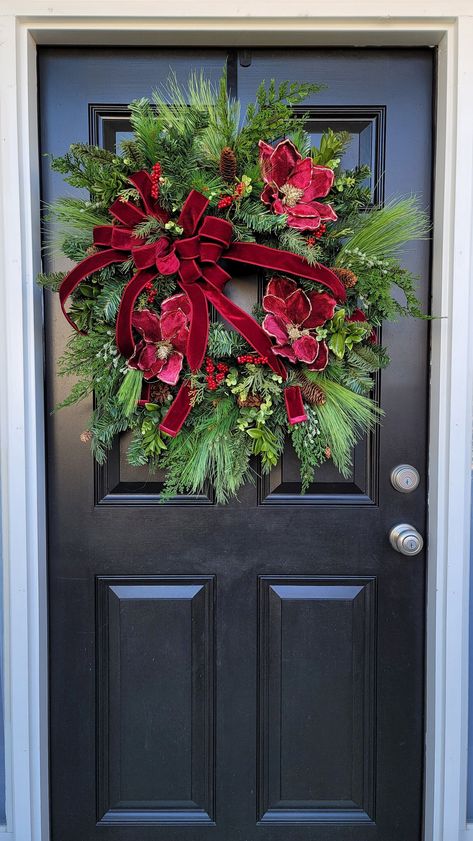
[294,315]
[359,315]
[161,351]
[292,185]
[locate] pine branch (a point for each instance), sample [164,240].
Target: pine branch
[50,281]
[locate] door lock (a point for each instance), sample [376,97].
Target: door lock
[405,478]
[406,539]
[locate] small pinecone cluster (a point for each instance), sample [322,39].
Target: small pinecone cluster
[312,392]
[86,436]
[228,164]
[348,278]
[159,393]
[253,401]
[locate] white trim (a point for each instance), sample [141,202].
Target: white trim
[386,22]
[23,509]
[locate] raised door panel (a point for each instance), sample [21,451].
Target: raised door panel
[155,700]
[317,700]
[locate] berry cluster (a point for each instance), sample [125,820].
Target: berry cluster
[155,176]
[225,201]
[214,373]
[320,230]
[317,234]
[255,360]
[151,292]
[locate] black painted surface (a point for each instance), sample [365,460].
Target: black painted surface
[254,671]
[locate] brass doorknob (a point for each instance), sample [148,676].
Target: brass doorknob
[406,539]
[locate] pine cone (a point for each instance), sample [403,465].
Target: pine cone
[312,392]
[86,436]
[253,401]
[159,393]
[228,164]
[348,278]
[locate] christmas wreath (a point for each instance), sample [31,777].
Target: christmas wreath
[197,192]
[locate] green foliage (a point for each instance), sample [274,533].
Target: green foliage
[130,391]
[252,379]
[150,229]
[51,281]
[376,279]
[100,172]
[343,419]
[223,115]
[106,423]
[271,116]
[108,300]
[383,232]
[224,342]
[266,445]
[309,447]
[331,149]
[356,370]
[152,439]
[208,449]
[252,213]
[147,130]
[342,334]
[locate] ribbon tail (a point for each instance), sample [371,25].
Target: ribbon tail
[83,269]
[294,405]
[178,411]
[285,261]
[199,325]
[246,326]
[124,331]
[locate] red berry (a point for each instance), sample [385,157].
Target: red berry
[225,201]
[155,176]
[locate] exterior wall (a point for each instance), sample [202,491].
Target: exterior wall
[447,23]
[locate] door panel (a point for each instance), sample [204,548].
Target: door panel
[155,710]
[317,722]
[256,669]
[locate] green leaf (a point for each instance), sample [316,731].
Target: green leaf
[130,391]
[337,344]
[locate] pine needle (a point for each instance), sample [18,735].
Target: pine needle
[130,391]
[343,419]
[383,232]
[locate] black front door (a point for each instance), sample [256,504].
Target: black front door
[253,671]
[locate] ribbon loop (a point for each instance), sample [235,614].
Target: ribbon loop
[189,248]
[218,229]
[210,252]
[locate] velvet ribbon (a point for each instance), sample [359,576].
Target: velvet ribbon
[195,257]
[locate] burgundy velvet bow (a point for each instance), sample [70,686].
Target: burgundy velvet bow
[195,258]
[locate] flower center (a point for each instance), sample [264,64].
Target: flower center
[291,194]
[295,332]
[163,349]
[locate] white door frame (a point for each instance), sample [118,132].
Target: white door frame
[25,23]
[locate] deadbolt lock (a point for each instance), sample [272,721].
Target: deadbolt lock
[405,478]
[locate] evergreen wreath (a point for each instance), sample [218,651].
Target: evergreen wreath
[193,192]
